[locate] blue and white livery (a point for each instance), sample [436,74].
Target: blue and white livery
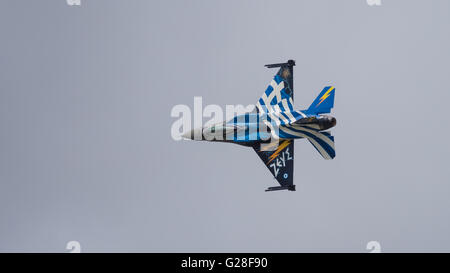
[274,125]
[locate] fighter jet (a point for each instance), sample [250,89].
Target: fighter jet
[271,128]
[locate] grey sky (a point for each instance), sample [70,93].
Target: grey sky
[85,146]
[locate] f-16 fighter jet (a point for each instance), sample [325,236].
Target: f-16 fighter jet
[274,125]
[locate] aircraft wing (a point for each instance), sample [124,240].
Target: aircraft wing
[279,159]
[279,95]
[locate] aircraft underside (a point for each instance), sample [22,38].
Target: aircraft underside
[274,125]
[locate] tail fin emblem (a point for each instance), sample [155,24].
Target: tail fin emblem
[326,95]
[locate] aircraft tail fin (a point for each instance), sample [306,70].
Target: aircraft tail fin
[324,102]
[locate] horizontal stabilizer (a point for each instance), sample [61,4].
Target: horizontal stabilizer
[324,144]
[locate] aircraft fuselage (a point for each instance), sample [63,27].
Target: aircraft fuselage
[253,127]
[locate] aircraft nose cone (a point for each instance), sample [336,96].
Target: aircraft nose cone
[195,134]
